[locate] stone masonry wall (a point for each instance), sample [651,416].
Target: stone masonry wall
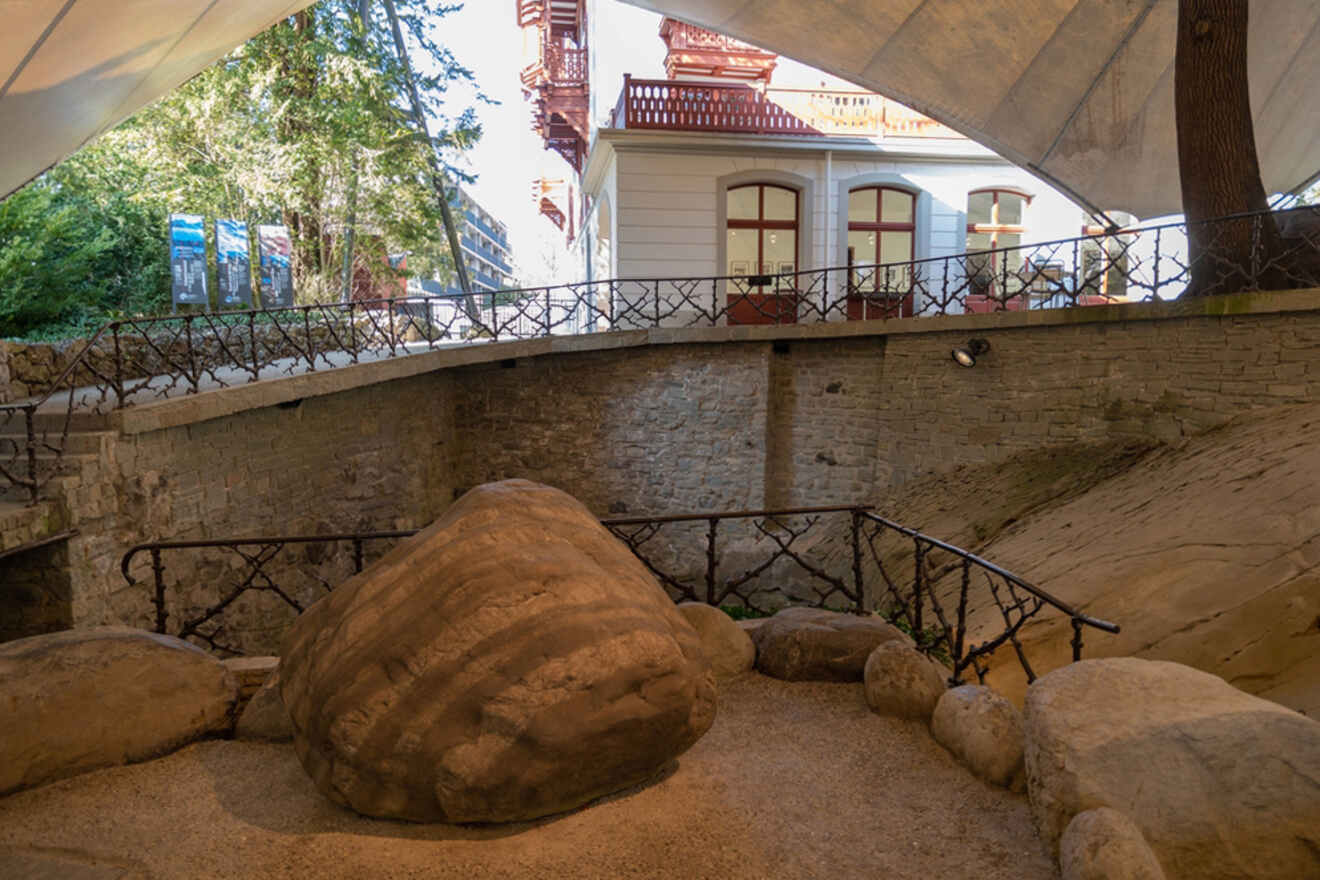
[377,458]
[1088,382]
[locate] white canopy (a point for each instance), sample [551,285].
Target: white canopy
[1079,92]
[71,69]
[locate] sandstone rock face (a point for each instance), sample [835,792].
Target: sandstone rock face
[1220,783]
[812,644]
[81,699]
[1103,844]
[727,646]
[902,682]
[264,717]
[511,661]
[983,730]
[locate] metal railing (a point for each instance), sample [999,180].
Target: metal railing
[679,105]
[827,557]
[148,358]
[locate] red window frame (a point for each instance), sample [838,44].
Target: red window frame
[779,307]
[984,297]
[864,305]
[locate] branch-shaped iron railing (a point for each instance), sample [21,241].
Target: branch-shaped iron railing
[138,359]
[1016,600]
[934,611]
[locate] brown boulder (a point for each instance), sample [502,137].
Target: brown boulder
[813,644]
[265,718]
[512,660]
[902,682]
[727,646]
[77,700]
[1103,844]
[1221,784]
[984,731]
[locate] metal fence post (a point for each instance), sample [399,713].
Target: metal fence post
[710,560]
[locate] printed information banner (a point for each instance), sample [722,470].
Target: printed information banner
[188,259]
[233,264]
[276,270]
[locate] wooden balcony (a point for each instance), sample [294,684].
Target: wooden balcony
[676,105]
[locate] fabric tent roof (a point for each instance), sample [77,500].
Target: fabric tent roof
[71,69]
[1080,92]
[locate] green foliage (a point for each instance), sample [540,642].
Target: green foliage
[301,125]
[929,641]
[740,612]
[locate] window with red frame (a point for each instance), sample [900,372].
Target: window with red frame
[761,238]
[996,220]
[882,238]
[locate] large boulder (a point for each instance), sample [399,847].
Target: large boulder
[727,646]
[77,700]
[1221,784]
[983,730]
[813,644]
[1103,844]
[511,661]
[902,682]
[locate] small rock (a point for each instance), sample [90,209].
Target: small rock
[265,717]
[1103,844]
[728,648]
[902,682]
[82,699]
[812,644]
[251,672]
[983,730]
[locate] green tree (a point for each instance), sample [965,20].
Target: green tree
[298,126]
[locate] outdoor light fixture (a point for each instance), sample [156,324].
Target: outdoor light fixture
[966,355]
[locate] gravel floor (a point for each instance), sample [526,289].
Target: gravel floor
[793,781]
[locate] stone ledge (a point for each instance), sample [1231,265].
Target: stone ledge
[223,402]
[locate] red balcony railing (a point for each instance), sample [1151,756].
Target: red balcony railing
[676,105]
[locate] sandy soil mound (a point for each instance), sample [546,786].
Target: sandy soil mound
[794,780]
[1206,554]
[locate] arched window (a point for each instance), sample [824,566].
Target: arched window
[881,231]
[761,239]
[996,220]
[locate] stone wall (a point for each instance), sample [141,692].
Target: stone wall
[1086,383]
[376,458]
[656,422]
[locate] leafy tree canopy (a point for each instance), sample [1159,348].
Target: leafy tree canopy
[301,125]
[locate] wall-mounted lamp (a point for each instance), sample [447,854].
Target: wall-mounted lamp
[966,355]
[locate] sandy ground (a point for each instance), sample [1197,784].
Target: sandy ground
[793,781]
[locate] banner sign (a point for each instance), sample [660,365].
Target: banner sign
[188,259]
[276,271]
[233,265]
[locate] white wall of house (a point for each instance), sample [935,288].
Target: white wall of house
[669,216]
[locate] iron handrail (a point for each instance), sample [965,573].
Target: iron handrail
[636,531]
[1067,609]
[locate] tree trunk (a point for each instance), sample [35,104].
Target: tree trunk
[1220,174]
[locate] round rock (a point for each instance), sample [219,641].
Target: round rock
[512,660]
[813,644]
[902,682]
[728,647]
[1103,844]
[983,730]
